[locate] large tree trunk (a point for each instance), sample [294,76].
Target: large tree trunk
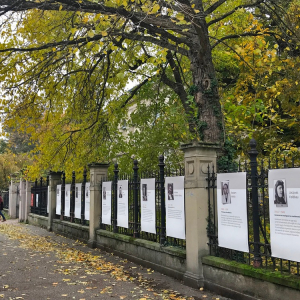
[209,122]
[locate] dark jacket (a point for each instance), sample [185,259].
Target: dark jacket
[1,205]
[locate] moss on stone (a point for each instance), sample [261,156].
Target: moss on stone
[259,273]
[143,243]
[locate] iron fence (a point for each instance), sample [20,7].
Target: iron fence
[260,251]
[5,196]
[134,203]
[39,197]
[72,217]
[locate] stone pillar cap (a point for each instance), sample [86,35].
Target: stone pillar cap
[196,144]
[55,172]
[97,164]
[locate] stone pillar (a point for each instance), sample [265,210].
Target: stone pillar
[54,180]
[29,185]
[22,200]
[98,171]
[13,205]
[197,157]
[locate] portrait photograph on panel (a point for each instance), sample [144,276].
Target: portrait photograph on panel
[280,199]
[226,199]
[170,191]
[144,191]
[76,191]
[120,192]
[104,193]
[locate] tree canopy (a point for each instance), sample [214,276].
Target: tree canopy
[65,66]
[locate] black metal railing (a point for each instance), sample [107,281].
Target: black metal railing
[39,197]
[5,197]
[258,214]
[71,216]
[134,203]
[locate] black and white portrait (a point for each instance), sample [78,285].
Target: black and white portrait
[170,191]
[120,192]
[76,191]
[280,193]
[226,198]
[144,192]
[104,193]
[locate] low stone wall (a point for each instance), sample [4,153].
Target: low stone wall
[67,229]
[243,282]
[71,230]
[38,220]
[167,260]
[228,278]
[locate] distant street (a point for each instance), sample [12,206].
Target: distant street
[37,264]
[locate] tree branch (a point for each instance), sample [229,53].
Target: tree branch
[213,7]
[233,11]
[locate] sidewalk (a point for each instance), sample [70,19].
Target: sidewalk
[37,265]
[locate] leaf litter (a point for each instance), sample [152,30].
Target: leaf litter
[92,264]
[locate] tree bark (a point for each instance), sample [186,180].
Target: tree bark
[209,122]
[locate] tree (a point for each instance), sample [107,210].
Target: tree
[68,60]
[264,100]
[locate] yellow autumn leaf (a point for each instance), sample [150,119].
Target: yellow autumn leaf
[155,8]
[90,34]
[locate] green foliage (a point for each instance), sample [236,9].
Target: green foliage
[227,159]
[3,146]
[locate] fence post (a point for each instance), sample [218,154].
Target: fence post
[41,200]
[136,233]
[161,165]
[62,207]
[255,212]
[54,180]
[13,197]
[72,206]
[98,171]
[115,187]
[83,197]
[27,199]
[197,157]
[22,200]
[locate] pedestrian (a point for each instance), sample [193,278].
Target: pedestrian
[1,208]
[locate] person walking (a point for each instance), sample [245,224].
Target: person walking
[1,208]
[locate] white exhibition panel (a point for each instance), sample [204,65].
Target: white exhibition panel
[67,199]
[284,196]
[148,220]
[48,199]
[87,201]
[122,208]
[58,199]
[175,213]
[232,211]
[36,200]
[77,212]
[106,202]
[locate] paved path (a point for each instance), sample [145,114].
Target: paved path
[37,264]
